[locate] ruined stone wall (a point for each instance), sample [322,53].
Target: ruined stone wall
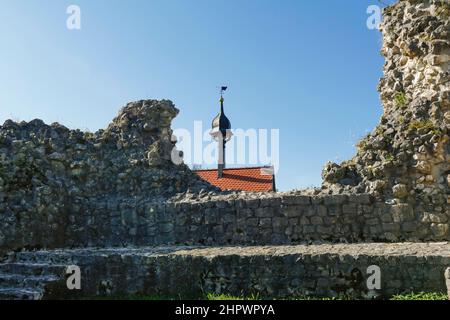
[289,218]
[269,271]
[406,159]
[118,186]
[250,219]
[62,187]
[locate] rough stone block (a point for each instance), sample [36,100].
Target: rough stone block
[440,230]
[309,229]
[387,218]
[218,230]
[292,211]
[166,227]
[252,222]
[293,200]
[310,211]
[245,212]
[365,209]
[211,216]
[360,198]
[391,227]
[229,218]
[264,212]
[270,202]
[252,203]
[335,199]
[351,208]
[304,221]
[324,230]
[265,223]
[409,226]
[318,210]
[373,222]
[221,204]
[316,220]
[402,213]
[375,230]
[329,220]
[316,200]
[279,222]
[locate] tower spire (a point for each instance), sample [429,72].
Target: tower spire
[221,132]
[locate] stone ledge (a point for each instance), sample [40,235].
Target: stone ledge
[429,249]
[326,270]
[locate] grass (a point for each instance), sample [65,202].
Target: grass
[361,145]
[443,10]
[421,296]
[389,157]
[211,296]
[224,297]
[134,297]
[421,124]
[408,296]
[400,99]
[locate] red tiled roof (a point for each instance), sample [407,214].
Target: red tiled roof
[244,179]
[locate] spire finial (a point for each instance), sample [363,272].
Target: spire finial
[221,132]
[222,90]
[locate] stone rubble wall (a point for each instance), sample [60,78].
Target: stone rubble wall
[285,219]
[324,270]
[62,187]
[118,186]
[406,159]
[222,220]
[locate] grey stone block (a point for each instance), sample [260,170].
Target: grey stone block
[335,199]
[360,198]
[292,211]
[402,213]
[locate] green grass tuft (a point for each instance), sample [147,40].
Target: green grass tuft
[421,296]
[421,124]
[400,99]
[212,296]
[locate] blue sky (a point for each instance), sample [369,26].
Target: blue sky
[307,68]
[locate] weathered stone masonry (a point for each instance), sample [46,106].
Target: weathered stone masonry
[406,158]
[273,219]
[270,271]
[61,187]
[285,219]
[117,187]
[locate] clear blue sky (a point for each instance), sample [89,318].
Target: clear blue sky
[308,68]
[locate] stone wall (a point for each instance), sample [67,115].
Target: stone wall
[234,219]
[289,218]
[64,187]
[118,186]
[270,271]
[406,159]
